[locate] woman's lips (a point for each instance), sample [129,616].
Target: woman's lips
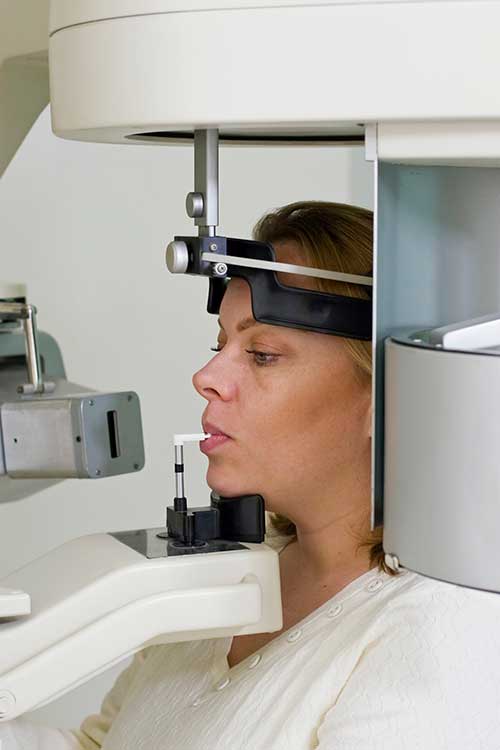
[217,439]
[213,442]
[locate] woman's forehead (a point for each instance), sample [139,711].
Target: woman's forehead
[236,305]
[236,315]
[237,297]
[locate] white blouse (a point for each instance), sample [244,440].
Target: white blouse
[389,663]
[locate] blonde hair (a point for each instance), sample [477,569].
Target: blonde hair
[335,237]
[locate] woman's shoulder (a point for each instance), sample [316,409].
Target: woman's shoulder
[425,672]
[415,598]
[414,588]
[441,613]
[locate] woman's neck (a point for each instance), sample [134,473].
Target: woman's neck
[329,552]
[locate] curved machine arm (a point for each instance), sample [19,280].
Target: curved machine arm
[114,600]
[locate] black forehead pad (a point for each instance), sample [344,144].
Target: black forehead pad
[278,304]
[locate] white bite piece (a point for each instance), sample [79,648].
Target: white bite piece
[181,439]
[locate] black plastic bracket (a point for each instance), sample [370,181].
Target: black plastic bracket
[238,519]
[275,303]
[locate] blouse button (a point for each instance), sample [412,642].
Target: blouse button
[254,661]
[374,585]
[335,611]
[294,636]
[199,700]
[223,683]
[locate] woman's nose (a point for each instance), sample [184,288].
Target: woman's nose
[214,382]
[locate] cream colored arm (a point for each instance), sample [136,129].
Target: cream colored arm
[22,734]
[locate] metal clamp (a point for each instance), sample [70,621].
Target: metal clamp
[27,313]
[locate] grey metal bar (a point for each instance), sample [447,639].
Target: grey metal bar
[206,179]
[271,265]
[27,313]
[32,350]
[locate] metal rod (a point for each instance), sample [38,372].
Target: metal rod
[206,179]
[180,502]
[270,265]
[13,310]
[27,313]
[179,475]
[32,351]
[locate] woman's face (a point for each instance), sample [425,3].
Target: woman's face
[297,418]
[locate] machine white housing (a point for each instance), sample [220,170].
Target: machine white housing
[449,479]
[417,81]
[95,601]
[122,68]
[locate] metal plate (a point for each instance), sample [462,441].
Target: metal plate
[148,543]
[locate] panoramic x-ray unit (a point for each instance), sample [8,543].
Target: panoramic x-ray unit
[415,82]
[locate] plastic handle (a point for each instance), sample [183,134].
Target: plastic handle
[14,603]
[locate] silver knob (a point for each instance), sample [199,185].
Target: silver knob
[221,270]
[195,205]
[177,257]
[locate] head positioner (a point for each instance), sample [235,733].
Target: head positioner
[222,258]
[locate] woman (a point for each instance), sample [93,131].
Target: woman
[366,659]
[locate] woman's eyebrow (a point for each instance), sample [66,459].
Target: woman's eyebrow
[243,324]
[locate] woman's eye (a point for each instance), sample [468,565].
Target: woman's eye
[261,359]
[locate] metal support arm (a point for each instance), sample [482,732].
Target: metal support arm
[27,313]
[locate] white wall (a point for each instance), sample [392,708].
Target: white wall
[23,26]
[24,83]
[85,226]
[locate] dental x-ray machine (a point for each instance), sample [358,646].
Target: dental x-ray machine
[416,82]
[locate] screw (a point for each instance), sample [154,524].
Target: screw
[15,440]
[91,403]
[78,439]
[129,398]
[220,269]
[213,247]
[98,472]
[136,466]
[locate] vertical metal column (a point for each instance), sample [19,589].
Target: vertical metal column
[203,204]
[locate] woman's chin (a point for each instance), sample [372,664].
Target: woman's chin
[225,487]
